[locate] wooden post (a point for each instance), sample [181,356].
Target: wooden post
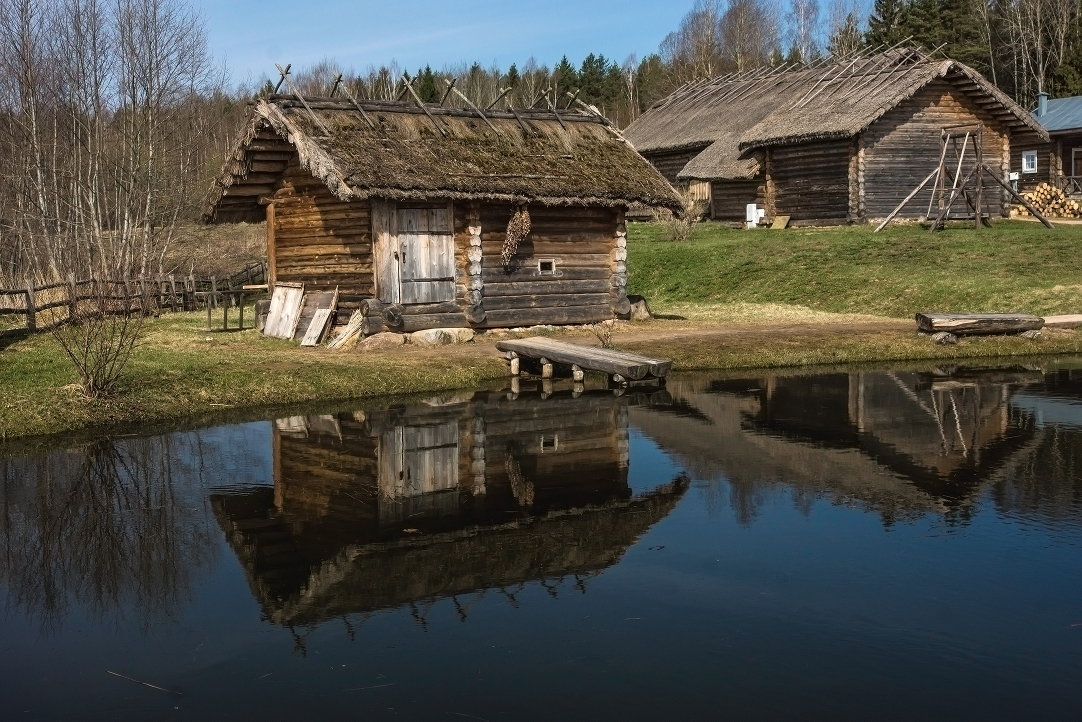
[31,312]
[546,368]
[213,298]
[241,322]
[944,137]
[208,316]
[272,269]
[73,298]
[980,176]
[515,364]
[577,374]
[225,312]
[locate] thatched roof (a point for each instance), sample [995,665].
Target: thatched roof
[551,158]
[739,113]
[366,576]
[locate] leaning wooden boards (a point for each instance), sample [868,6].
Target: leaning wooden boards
[284,309]
[971,324]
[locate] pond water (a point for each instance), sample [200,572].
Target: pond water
[864,545]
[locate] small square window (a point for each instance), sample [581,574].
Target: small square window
[1029,161]
[546,266]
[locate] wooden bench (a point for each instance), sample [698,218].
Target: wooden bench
[552,356]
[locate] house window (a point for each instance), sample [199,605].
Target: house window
[1029,161]
[546,266]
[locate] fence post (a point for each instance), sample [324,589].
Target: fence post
[31,312]
[73,298]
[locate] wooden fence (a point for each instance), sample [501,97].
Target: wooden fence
[33,307]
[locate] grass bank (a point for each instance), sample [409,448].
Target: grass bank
[181,370]
[731,300]
[1014,266]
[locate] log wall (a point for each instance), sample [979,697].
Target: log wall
[903,147]
[670,163]
[321,241]
[1046,159]
[731,197]
[589,273]
[811,181]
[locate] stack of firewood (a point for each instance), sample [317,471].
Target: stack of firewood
[1051,202]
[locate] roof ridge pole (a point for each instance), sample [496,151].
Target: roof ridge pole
[449,89]
[283,77]
[883,60]
[501,96]
[357,105]
[293,88]
[552,107]
[421,105]
[334,88]
[452,89]
[607,123]
[537,100]
[573,98]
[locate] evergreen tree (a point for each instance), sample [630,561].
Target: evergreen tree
[888,23]
[512,76]
[846,37]
[926,22]
[652,81]
[425,86]
[564,77]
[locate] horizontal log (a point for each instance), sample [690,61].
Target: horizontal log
[422,322]
[529,288]
[498,274]
[316,249]
[557,316]
[970,324]
[243,189]
[559,300]
[422,309]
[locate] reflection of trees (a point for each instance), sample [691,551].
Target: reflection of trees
[1045,481]
[103,527]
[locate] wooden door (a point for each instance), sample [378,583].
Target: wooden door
[426,255]
[418,460]
[385,251]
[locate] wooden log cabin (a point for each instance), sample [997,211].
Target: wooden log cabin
[405,209]
[385,507]
[833,143]
[1057,159]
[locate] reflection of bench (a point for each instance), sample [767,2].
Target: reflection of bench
[554,356]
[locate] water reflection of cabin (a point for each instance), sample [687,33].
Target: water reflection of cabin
[904,442]
[377,509]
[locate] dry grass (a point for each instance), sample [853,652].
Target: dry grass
[218,250]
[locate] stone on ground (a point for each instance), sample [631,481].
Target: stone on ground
[944,338]
[640,310]
[381,341]
[441,336]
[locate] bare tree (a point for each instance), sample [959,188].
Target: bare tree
[748,33]
[803,20]
[694,50]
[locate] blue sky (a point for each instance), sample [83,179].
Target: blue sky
[251,36]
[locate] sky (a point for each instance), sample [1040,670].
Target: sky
[251,36]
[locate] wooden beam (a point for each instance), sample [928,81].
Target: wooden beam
[452,89]
[421,105]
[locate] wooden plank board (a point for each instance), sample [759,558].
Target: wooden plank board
[285,306]
[590,358]
[780,222]
[314,334]
[313,302]
[967,324]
